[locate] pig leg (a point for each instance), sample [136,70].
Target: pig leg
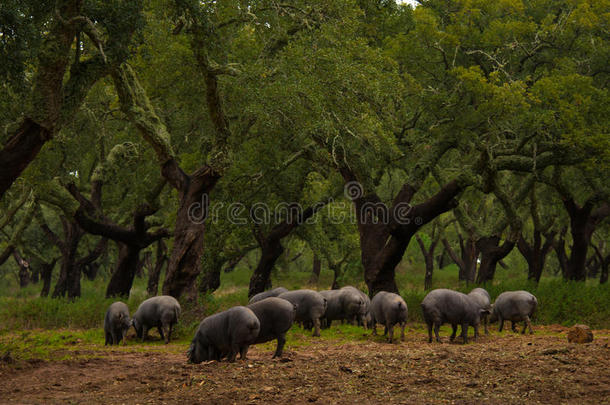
[465,332]
[437,326]
[144,332]
[243,352]
[501,320]
[402,331]
[281,341]
[485,322]
[476,332]
[316,330]
[385,330]
[429,331]
[390,330]
[527,323]
[513,326]
[160,329]
[169,332]
[454,327]
[115,338]
[233,352]
[108,339]
[374,328]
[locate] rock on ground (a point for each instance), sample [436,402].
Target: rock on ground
[580,334]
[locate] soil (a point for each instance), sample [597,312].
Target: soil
[503,368]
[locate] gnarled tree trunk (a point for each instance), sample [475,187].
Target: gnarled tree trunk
[467,260]
[491,254]
[20,150]
[24,269]
[184,262]
[535,254]
[122,277]
[46,272]
[428,259]
[583,221]
[152,287]
[272,249]
[385,232]
[315,271]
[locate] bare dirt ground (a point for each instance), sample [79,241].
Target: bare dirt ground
[498,369]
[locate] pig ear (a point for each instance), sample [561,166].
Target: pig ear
[120,316]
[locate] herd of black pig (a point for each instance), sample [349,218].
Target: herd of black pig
[270,314]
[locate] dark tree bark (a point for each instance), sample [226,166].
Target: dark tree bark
[132,240]
[535,254]
[123,275]
[491,254]
[272,249]
[6,253]
[153,277]
[336,269]
[467,260]
[603,277]
[88,264]
[315,271]
[383,241]
[212,265]
[20,150]
[183,267]
[35,274]
[143,263]
[560,250]
[46,272]
[428,258]
[68,282]
[604,262]
[583,221]
[24,269]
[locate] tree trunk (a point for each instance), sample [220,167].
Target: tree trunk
[68,282]
[467,260]
[583,221]
[46,272]
[604,263]
[581,231]
[35,274]
[212,267]
[272,249]
[560,250]
[336,268]
[153,277]
[143,263]
[19,151]
[386,232]
[315,272]
[603,278]
[535,254]
[429,260]
[491,254]
[260,280]
[6,253]
[24,269]
[122,277]
[88,265]
[184,262]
